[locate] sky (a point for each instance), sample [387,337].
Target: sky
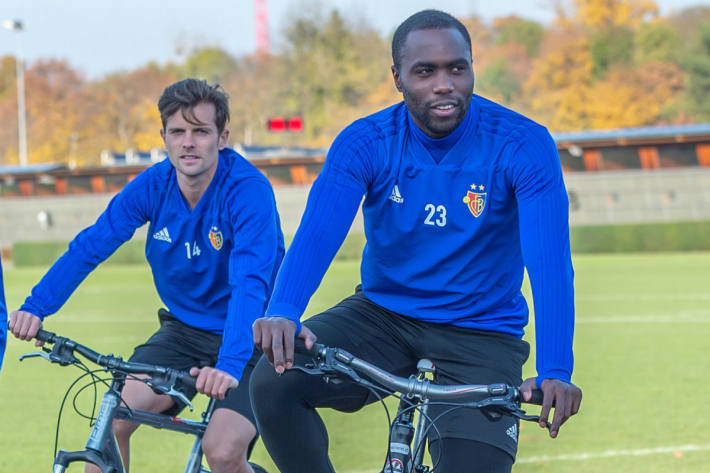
[99,37]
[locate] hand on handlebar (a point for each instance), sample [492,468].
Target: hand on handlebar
[565,397]
[275,335]
[25,326]
[213,382]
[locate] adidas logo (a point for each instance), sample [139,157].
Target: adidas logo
[395,196]
[512,432]
[163,235]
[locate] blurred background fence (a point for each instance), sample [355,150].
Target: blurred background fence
[633,210]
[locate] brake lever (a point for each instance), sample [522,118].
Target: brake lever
[330,369]
[310,369]
[59,353]
[506,404]
[43,354]
[522,415]
[175,393]
[169,390]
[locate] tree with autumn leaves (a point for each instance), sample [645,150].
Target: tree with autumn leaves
[600,64]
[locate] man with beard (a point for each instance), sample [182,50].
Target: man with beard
[460,195]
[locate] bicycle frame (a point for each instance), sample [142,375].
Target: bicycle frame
[101,448]
[407,443]
[186,426]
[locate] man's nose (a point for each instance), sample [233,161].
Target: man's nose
[188,141]
[443,83]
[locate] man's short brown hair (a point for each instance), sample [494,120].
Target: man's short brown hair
[188,93]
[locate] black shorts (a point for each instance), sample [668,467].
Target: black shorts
[180,346]
[461,356]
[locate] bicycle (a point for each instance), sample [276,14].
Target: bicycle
[101,448]
[406,442]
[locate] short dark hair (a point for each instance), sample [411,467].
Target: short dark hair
[424,20]
[188,93]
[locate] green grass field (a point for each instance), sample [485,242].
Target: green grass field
[641,358]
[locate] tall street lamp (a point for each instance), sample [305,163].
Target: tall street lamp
[16,26]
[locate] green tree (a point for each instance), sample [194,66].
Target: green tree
[698,69]
[498,81]
[656,41]
[331,65]
[613,45]
[515,29]
[213,64]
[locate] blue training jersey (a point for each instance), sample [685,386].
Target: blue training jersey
[450,226]
[213,265]
[3,318]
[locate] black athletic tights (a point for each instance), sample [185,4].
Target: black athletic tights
[297,440]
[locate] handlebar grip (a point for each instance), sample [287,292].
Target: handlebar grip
[45,336]
[185,379]
[300,347]
[536,398]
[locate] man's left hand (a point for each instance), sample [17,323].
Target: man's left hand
[565,397]
[213,382]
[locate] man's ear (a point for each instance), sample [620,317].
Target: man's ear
[223,138]
[395,76]
[162,134]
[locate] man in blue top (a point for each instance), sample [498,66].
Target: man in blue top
[3,318]
[214,246]
[460,195]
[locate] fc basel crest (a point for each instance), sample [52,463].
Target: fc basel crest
[476,201]
[216,238]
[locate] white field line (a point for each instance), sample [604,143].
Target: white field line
[695,296]
[695,316]
[615,453]
[596,455]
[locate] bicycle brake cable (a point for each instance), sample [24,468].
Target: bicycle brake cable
[80,365]
[95,380]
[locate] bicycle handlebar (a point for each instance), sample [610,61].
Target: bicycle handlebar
[335,360]
[63,353]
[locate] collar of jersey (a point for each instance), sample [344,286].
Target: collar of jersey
[439,148]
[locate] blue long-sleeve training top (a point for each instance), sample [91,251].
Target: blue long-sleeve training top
[3,318]
[450,225]
[213,265]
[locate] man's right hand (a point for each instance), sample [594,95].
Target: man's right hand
[275,335]
[25,326]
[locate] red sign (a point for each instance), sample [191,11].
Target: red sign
[281,124]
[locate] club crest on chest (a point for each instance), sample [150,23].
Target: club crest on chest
[475,199]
